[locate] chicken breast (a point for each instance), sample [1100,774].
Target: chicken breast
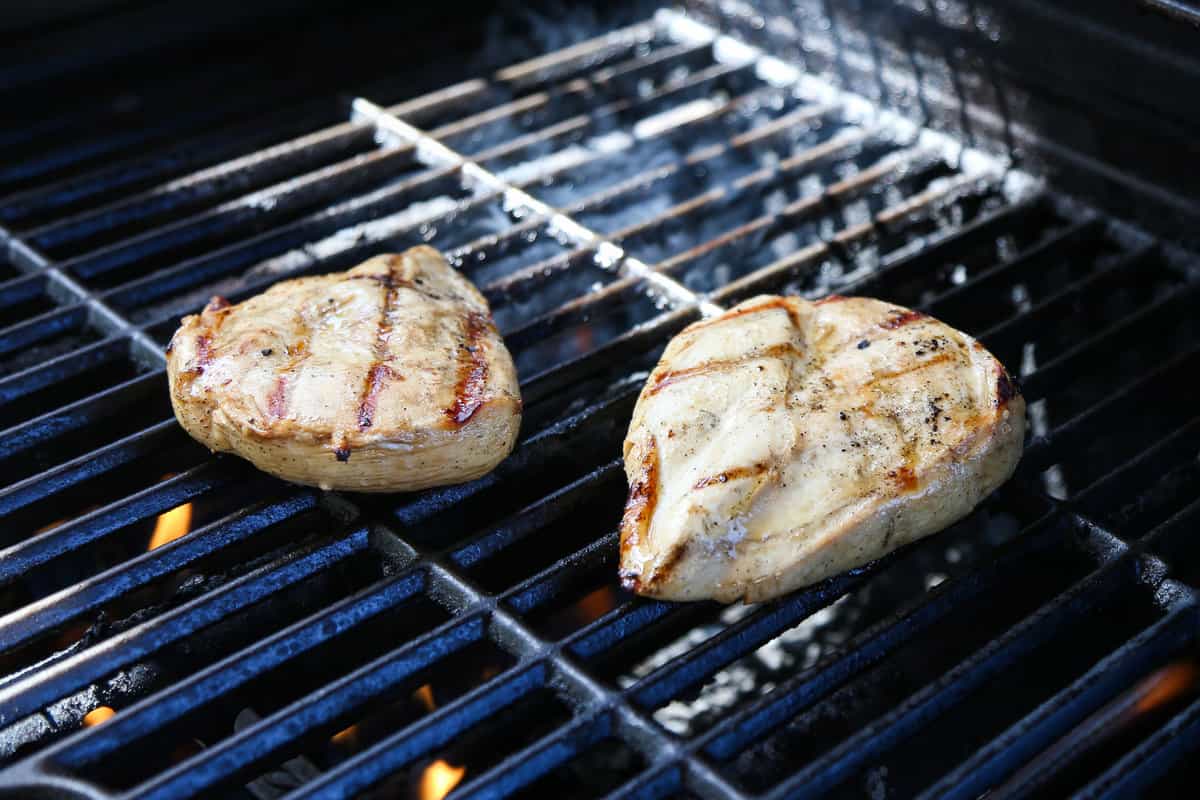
[389,377]
[786,441]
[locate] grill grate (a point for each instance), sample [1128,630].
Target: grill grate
[603,196]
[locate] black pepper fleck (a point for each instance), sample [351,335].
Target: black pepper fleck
[864,344]
[267,351]
[842,416]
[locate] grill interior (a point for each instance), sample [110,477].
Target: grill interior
[602,196]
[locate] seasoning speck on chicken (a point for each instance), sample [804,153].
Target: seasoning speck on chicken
[388,377]
[786,441]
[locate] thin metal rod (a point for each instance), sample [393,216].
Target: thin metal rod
[438,154]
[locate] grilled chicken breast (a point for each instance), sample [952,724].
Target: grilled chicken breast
[786,441]
[389,377]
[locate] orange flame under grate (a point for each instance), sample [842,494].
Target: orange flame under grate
[346,736]
[98,715]
[439,779]
[596,604]
[171,525]
[424,696]
[1165,685]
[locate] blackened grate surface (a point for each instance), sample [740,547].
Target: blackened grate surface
[603,196]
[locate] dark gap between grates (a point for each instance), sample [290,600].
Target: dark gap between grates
[1037,272]
[914,664]
[691,216]
[46,336]
[1128,420]
[22,298]
[1151,488]
[598,770]
[1124,285]
[299,677]
[600,378]
[1174,541]
[511,95]
[599,593]
[1185,771]
[904,256]
[920,278]
[7,270]
[489,261]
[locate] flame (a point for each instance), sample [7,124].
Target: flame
[596,604]
[424,696]
[97,715]
[439,779]
[52,525]
[171,525]
[1167,684]
[345,735]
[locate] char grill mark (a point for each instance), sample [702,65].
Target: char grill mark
[709,367]
[639,509]
[472,371]
[277,402]
[929,362]
[203,353]
[377,378]
[832,298]
[741,312]
[663,572]
[732,475]
[900,318]
[379,373]
[1006,387]
[204,349]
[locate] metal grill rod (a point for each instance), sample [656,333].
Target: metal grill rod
[24,257]
[1053,718]
[437,153]
[31,693]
